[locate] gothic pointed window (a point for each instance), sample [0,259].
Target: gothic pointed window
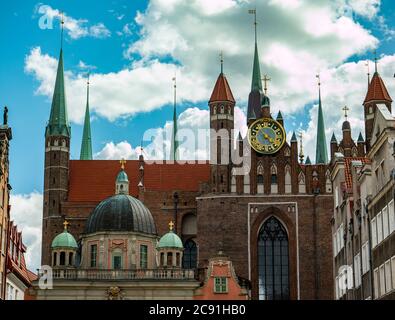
[273,261]
[190,255]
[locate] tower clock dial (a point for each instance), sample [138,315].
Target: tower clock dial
[266,136]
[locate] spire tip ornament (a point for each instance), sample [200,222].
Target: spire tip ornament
[171,225]
[122,162]
[65,225]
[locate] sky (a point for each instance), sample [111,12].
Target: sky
[133,49]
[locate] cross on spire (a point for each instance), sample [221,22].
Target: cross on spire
[318,76]
[368,67]
[122,162]
[66,224]
[266,79]
[221,55]
[171,225]
[345,109]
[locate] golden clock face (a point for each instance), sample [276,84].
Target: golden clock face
[266,136]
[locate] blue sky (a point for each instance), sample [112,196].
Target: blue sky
[136,51]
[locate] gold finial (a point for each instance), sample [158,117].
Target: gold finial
[66,224]
[301,154]
[171,225]
[221,55]
[122,162]
[266,79]
[345,109]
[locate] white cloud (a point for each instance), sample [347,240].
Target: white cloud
[75,28]
[193,124]
[26,212]
[293,48]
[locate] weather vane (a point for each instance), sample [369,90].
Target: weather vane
[368,67]
[253,11]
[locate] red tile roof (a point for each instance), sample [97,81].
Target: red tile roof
[94,180]
[347,168]
[222,90]
[377,90]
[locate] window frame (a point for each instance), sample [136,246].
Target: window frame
[222,286]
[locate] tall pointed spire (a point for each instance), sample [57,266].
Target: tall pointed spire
[86,145]
[58,123]
[256,97]
[174,143]
[321,155]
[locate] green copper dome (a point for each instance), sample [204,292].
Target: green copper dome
[122,176]
[64,240]
[170,240]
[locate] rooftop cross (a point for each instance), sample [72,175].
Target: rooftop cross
[368,67]
[171,225]
[66,224]
[122,162]
[345,109]
[266,79]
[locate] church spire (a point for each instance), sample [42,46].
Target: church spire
[321,155]
[174,143]
[86,145]
[256,97]
[58,123]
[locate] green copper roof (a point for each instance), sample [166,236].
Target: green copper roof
[279,116]
[58,122]
[86,145]
[293,139]
[321,155]
[333,139]
[64,240]
[256,84]
[360,138]
[308,161]
[122,176]
[170,240]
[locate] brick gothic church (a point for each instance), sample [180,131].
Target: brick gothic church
[273,222]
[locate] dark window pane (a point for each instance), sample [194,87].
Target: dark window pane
[273,261]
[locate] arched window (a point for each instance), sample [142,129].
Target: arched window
[117,259]
[70,259]
[62,261]
[189,260]
[54,262]
[273,261]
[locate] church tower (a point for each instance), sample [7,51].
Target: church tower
[221,105]
[86,145]
[56,169]
[321,155]
[377,94]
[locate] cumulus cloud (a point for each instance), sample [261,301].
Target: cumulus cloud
[193,137]
[75,28]
[26,212]
[293,48]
